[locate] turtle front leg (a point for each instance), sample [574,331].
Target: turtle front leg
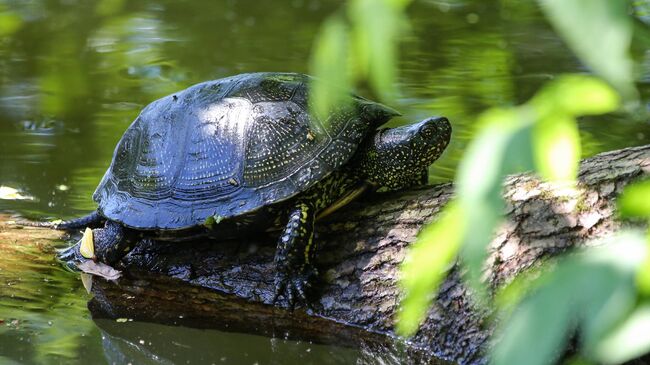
[107,245]
[294,256]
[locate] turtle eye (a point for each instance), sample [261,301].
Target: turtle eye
[428,131]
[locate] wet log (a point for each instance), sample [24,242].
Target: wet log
[230,284]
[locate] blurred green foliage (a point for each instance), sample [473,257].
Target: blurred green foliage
[600,33]
[634,203]
[357,45]
[592,291]
[432,254]
[595,291]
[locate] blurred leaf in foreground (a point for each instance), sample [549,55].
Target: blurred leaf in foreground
[357,48]
[428,258]
[629,340]
[377,26]
[635,201]
[600,33]
[500,148]
[591,291]
[329,65]
[540,135]
[556,139]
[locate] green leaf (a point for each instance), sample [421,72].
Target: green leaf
[377,26]
[643,275]
[643,278]
[576,95]
[556,146]
[330,67]
[600,33]
[481,170]
[537,328]
[591,291]
[501,147]
[635,200]
[427,264]
[629,341]
[511,294]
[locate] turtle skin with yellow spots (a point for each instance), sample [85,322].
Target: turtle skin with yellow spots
[241,153]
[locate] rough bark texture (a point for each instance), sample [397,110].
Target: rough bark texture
[361,248]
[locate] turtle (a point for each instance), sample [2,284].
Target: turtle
[238,154]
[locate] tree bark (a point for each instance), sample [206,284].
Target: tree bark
[229,285]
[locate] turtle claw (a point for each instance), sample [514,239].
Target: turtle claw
[293,289]
[70,257]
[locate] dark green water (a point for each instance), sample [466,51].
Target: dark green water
[74,74]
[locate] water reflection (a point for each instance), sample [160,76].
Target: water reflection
[43,315]
[148,343]
[74,74]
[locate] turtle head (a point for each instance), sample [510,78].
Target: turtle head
[396,158]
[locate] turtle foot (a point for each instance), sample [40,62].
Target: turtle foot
[293,288]
[71,257]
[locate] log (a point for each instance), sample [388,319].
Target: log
[229,285]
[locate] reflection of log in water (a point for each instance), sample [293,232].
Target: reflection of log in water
[361,249]
[195,308]
[146,343]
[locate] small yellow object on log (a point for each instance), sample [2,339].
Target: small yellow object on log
[87,247]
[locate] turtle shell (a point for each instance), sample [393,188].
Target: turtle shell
[226,148]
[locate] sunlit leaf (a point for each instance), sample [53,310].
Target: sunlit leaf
[635,200]
[480,173]
[576,95]
[556,145]
[426,266]
[329,65]
[629,341]
[599,32]
[643,275]
[501,147]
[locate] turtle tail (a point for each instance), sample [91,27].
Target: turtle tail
[93,219]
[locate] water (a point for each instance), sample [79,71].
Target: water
[74,74]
